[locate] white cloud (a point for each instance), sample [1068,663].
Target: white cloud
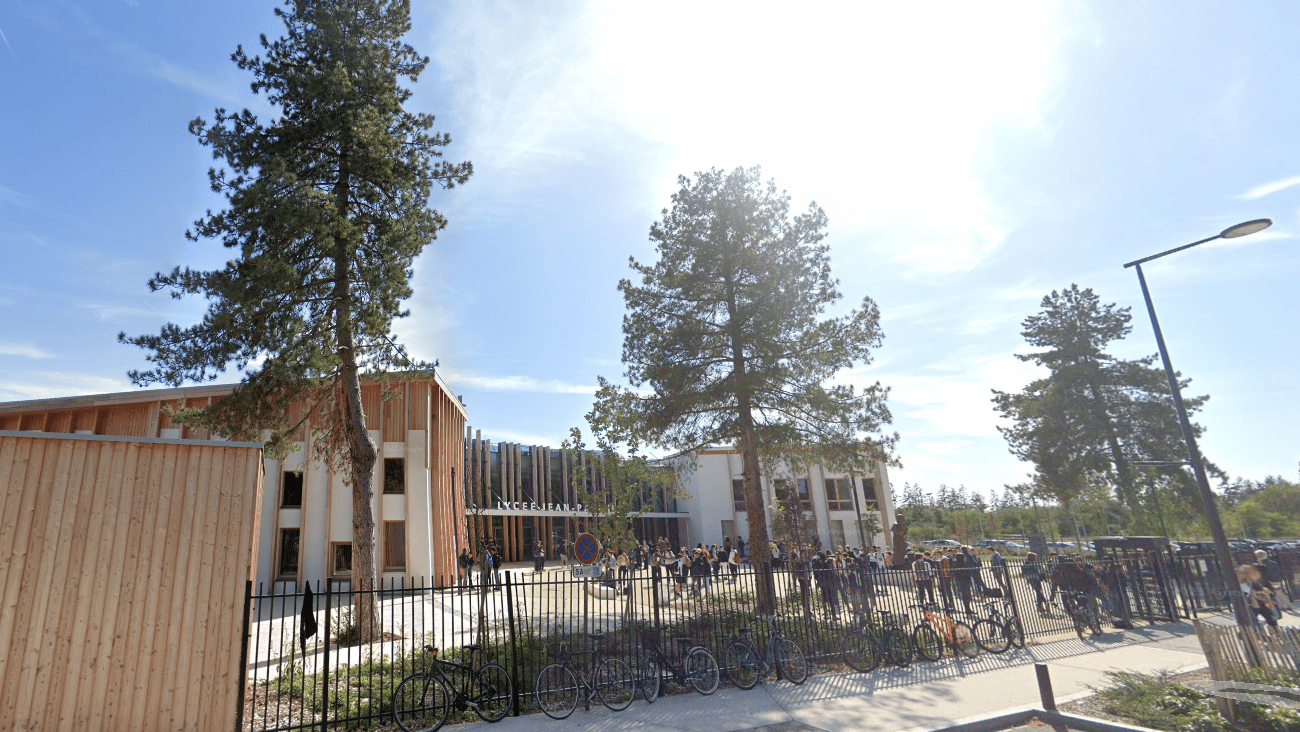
[1266,189]
[879,112]
[51,384]
[468,380]
[18,349]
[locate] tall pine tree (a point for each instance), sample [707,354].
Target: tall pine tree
[1093,413]
[726,331]
[326,209]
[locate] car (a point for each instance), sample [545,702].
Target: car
[940,542]
[1016,545]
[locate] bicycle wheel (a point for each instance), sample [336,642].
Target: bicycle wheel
[615,684]
[1016,632]
[963,640]
[791,662]
[927,642]
[493,692]
[991,636]
[861,652]
[420,703]
[556,691]
[742,664]
[898,647]
[651,678]
[701,670]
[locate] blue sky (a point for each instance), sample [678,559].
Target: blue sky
[970,157]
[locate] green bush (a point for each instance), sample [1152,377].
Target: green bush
[1159,703]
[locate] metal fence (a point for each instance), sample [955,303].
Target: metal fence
[520,617]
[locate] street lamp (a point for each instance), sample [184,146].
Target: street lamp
[1228,576]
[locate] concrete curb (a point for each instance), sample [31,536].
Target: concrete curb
[1015,719]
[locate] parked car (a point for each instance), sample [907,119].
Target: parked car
[940,542]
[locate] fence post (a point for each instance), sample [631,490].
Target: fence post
[514,651]
[654,594]
[243,656]
[325,673]
[1045,687]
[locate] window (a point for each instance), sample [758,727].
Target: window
[728,530]
[394,475]
[288,552]
[341,559]
[738,494]
[804,497]
[837,534]
[869,489]
[291,489]
[781,490]
[394,545]
[839,495]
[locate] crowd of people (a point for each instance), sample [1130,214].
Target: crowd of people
[853,578]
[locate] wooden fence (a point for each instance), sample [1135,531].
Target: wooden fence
[123,565]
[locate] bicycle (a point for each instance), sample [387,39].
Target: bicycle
[870,645]
[1082,610]
[560,685]
[698,667]
[423,699]
[998,632]
[745,665]
[929,636]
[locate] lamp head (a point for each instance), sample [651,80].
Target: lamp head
[1246,228]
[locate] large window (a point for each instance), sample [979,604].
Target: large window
[394,475]
[839,494]
[781,489]
[869,490]
[729,530]
[288,552]
[341,559]
[805,498]
[394,545]
[738,494]
[291,489]
[837,534]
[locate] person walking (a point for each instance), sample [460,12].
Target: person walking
[1000,575]
[1261,597]
[539,556]
[733,563]
[946,570]
[466,564]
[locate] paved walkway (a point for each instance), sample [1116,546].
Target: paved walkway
[923,697]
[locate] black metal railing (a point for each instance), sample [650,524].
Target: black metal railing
[518,616]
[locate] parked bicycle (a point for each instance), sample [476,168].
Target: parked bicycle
[746,665]
[423,699]
[560,685]
[876,640]
[998,631]
[1082,611]
[938,629]
[698,668]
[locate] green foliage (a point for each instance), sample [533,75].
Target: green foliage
[326,210]
[726,330]
[1157,702]
[1093,413]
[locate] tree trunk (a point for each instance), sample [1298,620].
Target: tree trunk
[361,450]
[756,513]
[1127,493]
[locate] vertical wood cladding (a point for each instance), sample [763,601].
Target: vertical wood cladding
[416,402]
[124,582]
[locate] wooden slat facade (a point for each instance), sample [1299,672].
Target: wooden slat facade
[413,415]
[122,565]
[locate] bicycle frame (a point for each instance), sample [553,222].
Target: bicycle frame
[943,625]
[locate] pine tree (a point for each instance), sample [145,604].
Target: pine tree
[726,330]
[1093,413]
[326,209]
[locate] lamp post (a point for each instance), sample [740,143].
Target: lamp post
[1208,505]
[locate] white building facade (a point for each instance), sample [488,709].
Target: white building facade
[835,501]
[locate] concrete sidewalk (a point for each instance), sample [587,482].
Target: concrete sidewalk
[924,696]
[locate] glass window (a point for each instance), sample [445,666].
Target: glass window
[804,497]
[869,490]
[394,475]
[289,552]
[341,565]
[837,534]
[738,494]
[291,489]
[839,496]
[394,545]
[729,530]
[781,490]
